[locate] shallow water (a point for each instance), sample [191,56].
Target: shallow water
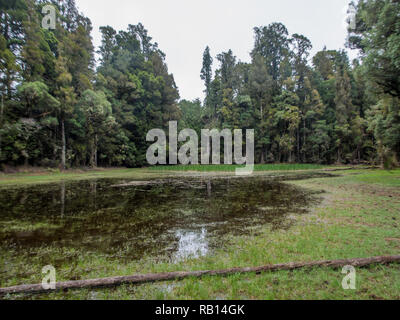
[174,218]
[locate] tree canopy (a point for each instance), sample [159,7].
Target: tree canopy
[60,108]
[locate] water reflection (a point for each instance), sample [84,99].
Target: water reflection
[209,188]
[62,199]
[192,244]
[172,218]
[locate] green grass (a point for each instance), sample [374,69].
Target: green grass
[387,178]
[359,217]
[144,173]
[232,168]
[51,177]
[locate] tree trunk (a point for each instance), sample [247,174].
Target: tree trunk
[339,158]
[92,161]
[146,278]
[262,160]
[304,142]
[298,145]
[1,119]
[64,145]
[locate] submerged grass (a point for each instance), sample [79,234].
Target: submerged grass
[359,217]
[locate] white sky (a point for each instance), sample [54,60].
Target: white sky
[183,28]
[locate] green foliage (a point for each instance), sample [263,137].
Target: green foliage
[377,36]
[192,112]
[57,109]
[66,113]
[300,113]
[206,71]
[135,79]
[36,97]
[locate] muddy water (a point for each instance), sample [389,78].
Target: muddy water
[175,218]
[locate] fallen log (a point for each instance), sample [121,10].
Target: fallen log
[169,276]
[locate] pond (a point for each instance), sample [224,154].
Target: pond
[173,218]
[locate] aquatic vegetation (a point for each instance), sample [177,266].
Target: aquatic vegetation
[168,219]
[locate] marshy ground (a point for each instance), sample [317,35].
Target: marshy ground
[121,222]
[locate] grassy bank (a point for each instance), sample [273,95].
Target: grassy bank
[50,176]
[232,168]
[358,217]
[73,175]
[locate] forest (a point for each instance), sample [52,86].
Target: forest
[66,104]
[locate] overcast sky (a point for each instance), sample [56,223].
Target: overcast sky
[183,28]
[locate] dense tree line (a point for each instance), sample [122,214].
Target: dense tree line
[60,108]
[323,109]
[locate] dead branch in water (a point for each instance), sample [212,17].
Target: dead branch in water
[146,278]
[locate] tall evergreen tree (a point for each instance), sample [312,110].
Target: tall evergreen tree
[206,71]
